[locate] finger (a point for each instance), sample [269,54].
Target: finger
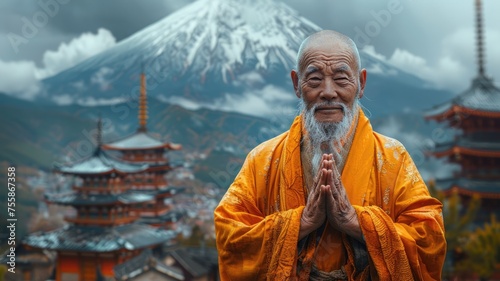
[329,177]
[324,174]
[317,178]
[336,185]
[321,181]
[322,199]
[336,175]
[324,159]
[330,200]
[330,164]
[336,171]
[331,203]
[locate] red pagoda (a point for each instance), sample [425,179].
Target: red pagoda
[141,148]
[476,149]
[103,232]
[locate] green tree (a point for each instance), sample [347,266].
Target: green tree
[458,219]
[197,239]
[3,271]
[482,251]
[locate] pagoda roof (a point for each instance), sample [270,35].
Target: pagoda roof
[482,98]
[468,147]
[167,190]
[101,163]
[171,190]
[146,262]
[30,257]
[99,239]
[196,261]
[140,140]
[79,199]
[469,187]
[172,216]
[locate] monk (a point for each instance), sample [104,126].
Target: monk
[330,199]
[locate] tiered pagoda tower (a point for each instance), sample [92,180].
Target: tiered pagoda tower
[141,148]
[103,232]
[476,149]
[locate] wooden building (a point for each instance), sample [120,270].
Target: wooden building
[174,264]
[102,232]
[141,148]
[475,114]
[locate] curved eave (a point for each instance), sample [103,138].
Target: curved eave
[101,164]
[99,239]
[111,171]
[469,193]
[453,110]
[163,146]
[170,217]
[159,168]
[140,141]
[439,112]
[467,151]
[99,200]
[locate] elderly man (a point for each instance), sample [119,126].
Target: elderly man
[330,199]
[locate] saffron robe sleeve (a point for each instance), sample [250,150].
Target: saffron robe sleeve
[255,244]
[402,224]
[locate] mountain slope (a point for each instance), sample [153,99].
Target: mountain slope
[222,54]
[39,136]
[192,51]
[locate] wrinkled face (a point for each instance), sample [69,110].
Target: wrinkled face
[328,76]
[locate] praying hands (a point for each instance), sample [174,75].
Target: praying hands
[327,201]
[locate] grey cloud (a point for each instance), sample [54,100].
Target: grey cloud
[419,27]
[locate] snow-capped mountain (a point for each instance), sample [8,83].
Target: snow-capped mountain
[227,55]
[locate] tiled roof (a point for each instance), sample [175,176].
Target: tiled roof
[196,261]
[470,144]
[483,95]
[79,199]
[172,216]
[167,190]
[143,263]
[483,186]
[101,163]
[140,140]
[99,239]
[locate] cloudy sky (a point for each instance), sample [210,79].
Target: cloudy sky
[432,39]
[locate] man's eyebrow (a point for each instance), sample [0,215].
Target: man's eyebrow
[341,69]
[310,69]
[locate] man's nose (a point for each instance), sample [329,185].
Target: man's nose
[329,91]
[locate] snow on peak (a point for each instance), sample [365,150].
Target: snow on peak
[216,36]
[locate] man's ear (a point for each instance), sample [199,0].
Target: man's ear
[362,82]
[295,80]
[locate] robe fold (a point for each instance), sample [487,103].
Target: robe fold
[257,221]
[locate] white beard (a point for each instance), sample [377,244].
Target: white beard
[326,137]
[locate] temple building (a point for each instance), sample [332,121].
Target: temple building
[120,225]
[141,148]
[475,114]
[102,232]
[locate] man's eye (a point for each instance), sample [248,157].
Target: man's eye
[342,80]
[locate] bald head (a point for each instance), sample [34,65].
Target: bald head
[328,39]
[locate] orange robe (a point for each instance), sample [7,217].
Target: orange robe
[257,221]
